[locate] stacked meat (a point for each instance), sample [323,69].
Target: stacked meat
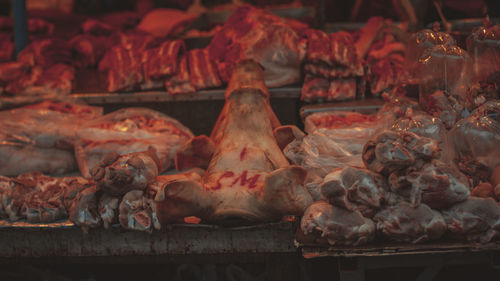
[382,45]
[409,192]
[37,198]
[252,33]
[40,137]
[43,69]
[331,67]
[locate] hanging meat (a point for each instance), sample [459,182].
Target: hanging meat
[252,33]
[248,177]
[336,226]
[130,130]
[406,223]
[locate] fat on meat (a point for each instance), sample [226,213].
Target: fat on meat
[475,220]
[248,178]
[437,184]
[406,223]
[257,34]
[336,226]
[392,151]
[119,174]
[355,189]
[129,130]
[202,71]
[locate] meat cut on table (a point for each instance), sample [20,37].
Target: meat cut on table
[248,177]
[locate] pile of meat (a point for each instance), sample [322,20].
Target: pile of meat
[408,191]
[43,68]
[41,137]
[331,67]
[38,198]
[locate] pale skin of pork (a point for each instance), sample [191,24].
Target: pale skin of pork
[248,177]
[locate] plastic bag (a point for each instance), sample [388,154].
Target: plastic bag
[356,123]
[476,141]
[130,130]
[323,150]
[420,42]
[427,126]
[484,46]
[40,137]
[395,108]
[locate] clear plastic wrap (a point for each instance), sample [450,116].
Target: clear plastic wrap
[40,137]
[356,123]
[446,68]
[395,108]
[484,47]
[476,141]
[420,42]
[427,126]
[130,130]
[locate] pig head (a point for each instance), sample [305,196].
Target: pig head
[247,176]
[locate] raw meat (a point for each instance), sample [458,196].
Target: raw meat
[108,209]
[180,83]
[319,49]
[391,151]
[163,61]
[19,159]
[83,211]
[445,106]
[257,34]
[314,88]
[6,47]
[342,89]
[125,70]
[355,189]
[46,53]
[247,177]
[165,22]
[130,130]
[483,91]
[12,70]
[436,184]
[6,189]
[336,226]
[89,49]
[40,137]
[202,71]
[405,223]
[136,212]
[386,73]
[117,175]
[475,141]
[475,219]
